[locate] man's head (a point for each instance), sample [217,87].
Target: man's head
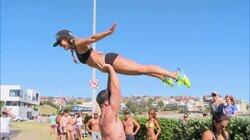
[65,112]
[4,113]
[185,116]
[214,95]
[103,97]
[126,114]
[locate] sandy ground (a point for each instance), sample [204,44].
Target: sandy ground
[30,130]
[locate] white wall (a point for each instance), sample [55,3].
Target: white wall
[5,93]
[19,111]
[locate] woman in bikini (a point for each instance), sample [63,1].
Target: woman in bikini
[86,55]
[151,125]
[71,127]
[218,131]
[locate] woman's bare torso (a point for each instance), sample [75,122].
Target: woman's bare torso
[95,124]
[151,131]
[96,59]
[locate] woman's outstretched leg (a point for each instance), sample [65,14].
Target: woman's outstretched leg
[129,67]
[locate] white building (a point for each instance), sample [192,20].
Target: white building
[19,101]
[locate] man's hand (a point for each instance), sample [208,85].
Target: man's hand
[106,67]
[112,28]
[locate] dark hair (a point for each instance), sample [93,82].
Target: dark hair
[65,111]
[217,118]
[103,96]
[126,112]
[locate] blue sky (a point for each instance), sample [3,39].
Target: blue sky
[208,39]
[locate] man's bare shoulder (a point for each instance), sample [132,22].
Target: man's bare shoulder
[108,114]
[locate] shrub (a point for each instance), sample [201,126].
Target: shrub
[174,129]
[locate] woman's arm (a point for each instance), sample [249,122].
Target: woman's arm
[95,37]
[158,128]
[102,35]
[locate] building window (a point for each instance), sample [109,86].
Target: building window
[15,93]
[12,103]
[37,96]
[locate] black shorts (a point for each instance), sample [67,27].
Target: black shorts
[130,137]
[110,58]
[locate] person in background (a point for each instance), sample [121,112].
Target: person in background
[151,124]
[230,108]
[129,123]
[63,124]
[95,128]
[218,131]
[79,126]
[52,120]
[70,128]
[5,124]
[58,127]
[217,103]
[185,119]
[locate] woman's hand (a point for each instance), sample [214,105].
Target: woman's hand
[112,28]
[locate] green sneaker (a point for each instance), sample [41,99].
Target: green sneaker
[182,78]
[168,81]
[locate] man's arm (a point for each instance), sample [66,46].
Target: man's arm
[113,87]
[137,126]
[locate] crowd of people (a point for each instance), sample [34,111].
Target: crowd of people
[108,126]
[226,105]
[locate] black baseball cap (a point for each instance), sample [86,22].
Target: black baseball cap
[62,34]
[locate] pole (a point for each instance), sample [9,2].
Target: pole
[93,69]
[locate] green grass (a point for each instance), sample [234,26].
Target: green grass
[46,109]
[30,130]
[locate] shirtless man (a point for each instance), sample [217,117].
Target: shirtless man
[58,127]
[95,128]
[109,101]
[129,124]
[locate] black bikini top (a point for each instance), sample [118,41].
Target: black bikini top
[84,56]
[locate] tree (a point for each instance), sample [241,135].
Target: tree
[160,105]
[1,105]
[171,107]
[150,103]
